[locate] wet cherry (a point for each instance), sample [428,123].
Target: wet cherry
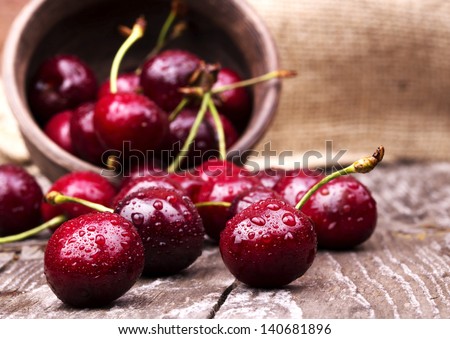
[221,189]
[132,118]
[84,185]
[293,186]
[20,199]
[269,177]
[344,213]
[169,225]
[148,167]
[272,243]
[93,259]
[250,196]
[189,182]
[148,181]
[61,82]
[269,244]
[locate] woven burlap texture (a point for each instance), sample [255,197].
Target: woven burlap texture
[370,72]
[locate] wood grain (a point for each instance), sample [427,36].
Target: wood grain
[403,271]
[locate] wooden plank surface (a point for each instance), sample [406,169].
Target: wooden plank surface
[403,271]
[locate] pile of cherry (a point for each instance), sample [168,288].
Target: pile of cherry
[104,240]
[149,111]
[155,224]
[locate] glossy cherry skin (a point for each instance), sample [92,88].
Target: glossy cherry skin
[170,227]
[293,186]
[20,199]
[205,144]
[58,129]
[61,82]
[269,244]
[126,83]
[214,169]
[144,183]
[163,75]
[85,185]
[235,104]
[224,189]
[149,167]
[189,183]
[344,213]
[94,259]
[269,177]
[251,196]
[84,138]
[130,117]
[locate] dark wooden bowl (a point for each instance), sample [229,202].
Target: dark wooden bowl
[225,31]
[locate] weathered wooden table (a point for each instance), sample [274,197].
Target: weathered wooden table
[403,271]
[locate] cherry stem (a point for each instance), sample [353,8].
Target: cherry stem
[56,198]
[136,33]
[256,80]
[165,30]
[213,203]
[363,165]
[56,221]
[219,127]
[192,134]
[178,109]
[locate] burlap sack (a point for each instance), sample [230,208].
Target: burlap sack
[370,72]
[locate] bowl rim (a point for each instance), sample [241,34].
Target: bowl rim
[29,127]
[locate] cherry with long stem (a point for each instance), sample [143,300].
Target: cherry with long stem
[363,165]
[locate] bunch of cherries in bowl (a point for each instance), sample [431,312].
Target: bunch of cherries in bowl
[267,224]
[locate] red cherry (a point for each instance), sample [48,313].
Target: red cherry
[144,183]
[84,138]
[269,244]
[85,185]
[249,197]
[61,82]
[20,199]
[150,167]
[222,189]
[169,225]
[235,103]
[212,169]
[94,259]
[163,75]
[344,213]
[126,83]
[293,186]
[130,117]
[189,183]
[269,177]
[58,130]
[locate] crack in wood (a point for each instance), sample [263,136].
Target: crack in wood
[223,297]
